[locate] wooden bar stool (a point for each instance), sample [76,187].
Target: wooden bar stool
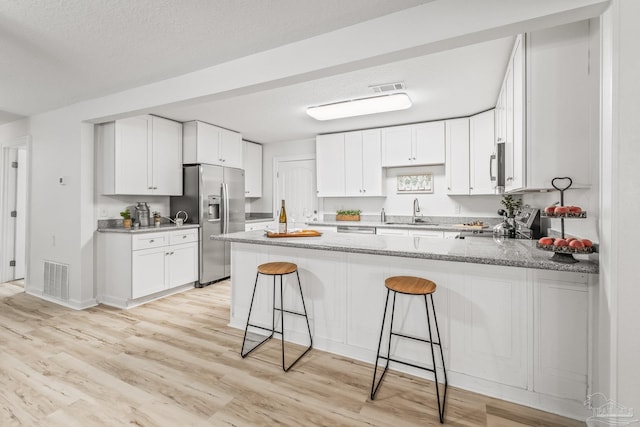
[276,269]
[411,286]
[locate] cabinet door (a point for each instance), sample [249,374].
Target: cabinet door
[372,172]
[207,142]
[167,157]
[133,156]
[518,109]
[392,232]
[252,169]
[231,149]
[489,324]
[429,141]
[481,145]
[183,264]
[397,146]
[148,271]
[508,145]
[434,234]
[353,164]
[330,165]
[457,158]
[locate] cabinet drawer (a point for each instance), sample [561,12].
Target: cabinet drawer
[186,236]
[151,240]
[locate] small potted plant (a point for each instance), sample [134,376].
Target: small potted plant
[348,215]
[511,204]
[126,218]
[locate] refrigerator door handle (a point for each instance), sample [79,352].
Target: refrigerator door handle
[225,209]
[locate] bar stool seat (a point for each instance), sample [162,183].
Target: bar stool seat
[276,269]
[410,285]
[414,286]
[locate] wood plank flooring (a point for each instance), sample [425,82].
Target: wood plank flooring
[174,362]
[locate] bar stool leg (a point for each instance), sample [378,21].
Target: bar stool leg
[433,359]
[286,369]
[374,387]
[444,369]
[246,329]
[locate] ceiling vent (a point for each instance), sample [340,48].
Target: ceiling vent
[388,87]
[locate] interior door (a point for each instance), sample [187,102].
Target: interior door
[296,184]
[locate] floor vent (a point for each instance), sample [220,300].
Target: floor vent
[56,280]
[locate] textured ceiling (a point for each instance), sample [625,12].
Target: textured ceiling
[55,53]
[453,83]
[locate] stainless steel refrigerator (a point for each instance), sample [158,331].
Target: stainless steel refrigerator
[213,196]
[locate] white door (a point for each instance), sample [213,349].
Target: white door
[397,146]
[428,141]
[167,157]
[296,185]
[353,163]
[331,166]
[19,253]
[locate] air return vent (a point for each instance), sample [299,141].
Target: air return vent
[388,87]
[56,280]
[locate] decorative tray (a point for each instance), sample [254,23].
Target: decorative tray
[299,233]
[471,227]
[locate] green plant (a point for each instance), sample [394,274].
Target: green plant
[511,204]
[125,214]
[348,212]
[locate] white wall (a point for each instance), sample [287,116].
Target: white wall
[620,277]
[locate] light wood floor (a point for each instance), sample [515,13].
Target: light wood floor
[174,362]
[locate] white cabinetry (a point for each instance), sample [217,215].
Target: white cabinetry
[561,353]
[457,156]
[363,168]
[141,156]
[489,324]
[260,225]
[134,268]
[206,143]
[411,145]
[392,232]
[562,68]
[330,165]
[349,164]
[481,147]
[252,169]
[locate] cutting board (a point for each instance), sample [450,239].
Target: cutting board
[471,227]
[301,233]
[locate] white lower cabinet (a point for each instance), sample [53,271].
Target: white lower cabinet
[260,225]
[392,232]
[133,268]
[561,353]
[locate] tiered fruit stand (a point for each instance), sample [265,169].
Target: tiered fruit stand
[564,253]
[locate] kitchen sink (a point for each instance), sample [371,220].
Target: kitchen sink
[411,223]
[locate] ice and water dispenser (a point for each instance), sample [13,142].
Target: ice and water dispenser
[213,211]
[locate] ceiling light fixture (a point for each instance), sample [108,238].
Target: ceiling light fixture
[360,107]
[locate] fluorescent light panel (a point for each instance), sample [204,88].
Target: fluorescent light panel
[360,107]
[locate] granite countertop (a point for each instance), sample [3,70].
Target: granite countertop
[479,250]
[163,227]
[378,224]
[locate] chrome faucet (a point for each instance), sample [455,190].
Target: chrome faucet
[416,209]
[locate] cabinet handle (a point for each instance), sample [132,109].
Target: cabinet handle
[151,241]
[184,237]
[449,188]
[470,188]
[409,158]
[364,191]
[149,188]
[414,158]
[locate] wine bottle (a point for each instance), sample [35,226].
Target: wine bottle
[282,222]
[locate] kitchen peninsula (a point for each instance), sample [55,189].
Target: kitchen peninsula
[514,324]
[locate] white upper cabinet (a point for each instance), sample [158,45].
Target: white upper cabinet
[141,156]
[363,169]
[252,169]
[330,165]
[562,91]
[457,156]
[349,164]
[481,147]
[205,143]
[411,145]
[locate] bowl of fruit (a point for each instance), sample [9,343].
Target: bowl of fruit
[564,212]
[569,245]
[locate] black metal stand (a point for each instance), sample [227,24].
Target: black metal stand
[273,321]
[375,387]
